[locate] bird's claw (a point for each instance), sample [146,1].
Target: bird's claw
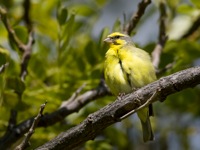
[119,97]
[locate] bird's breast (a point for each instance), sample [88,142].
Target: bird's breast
[115,75]
[126,70]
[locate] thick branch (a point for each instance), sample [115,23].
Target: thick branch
[54,117]
[136,16]
[110,114]
[27,7]
[12,121]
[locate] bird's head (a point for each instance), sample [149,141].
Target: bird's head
[117,38]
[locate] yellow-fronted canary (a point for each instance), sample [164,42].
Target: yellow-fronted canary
[126,69]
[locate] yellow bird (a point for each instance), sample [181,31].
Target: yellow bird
[126,69]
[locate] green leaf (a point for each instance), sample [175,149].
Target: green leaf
[16,84]
[37,60]
[103,35]
[62,15]
[22,33]
[67,31]
[80,63]
[186,9]
[171,3]
[119,138]
[10,99]
[82,9]
[4,56]
[102,47]
[101,2]
[117,25]
[89,53]
[196,3]
[98,145]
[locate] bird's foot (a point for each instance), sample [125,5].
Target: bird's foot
[134,89]
[137,101]
[119,97]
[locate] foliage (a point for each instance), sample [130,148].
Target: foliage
[66,54]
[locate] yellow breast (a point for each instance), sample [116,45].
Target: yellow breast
[127,68]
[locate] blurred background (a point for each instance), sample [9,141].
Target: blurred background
[68,52]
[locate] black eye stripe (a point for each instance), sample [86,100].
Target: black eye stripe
[116,37]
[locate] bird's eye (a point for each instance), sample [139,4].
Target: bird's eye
[117,37]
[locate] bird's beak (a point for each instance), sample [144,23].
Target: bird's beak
[108,40]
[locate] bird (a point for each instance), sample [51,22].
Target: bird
[127,68]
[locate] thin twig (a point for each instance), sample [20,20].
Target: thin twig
[162,38]
[159,72]
[11,32]
[136,16]
[25,143]
[149,101]
[74,96]
[26,56]
[28,47]
[25,48]
[192,29]
[2,68]
[124,22]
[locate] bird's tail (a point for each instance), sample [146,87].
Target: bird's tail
[147,130]
[143,114]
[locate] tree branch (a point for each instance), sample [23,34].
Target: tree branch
[26,56]
[25,142]
[162,38]
[25,48]
[27,7]
[54,117]
[193,28]
[110,114]
[11,32]
[73,97]
[12,121]
[2,67]
[160,72]
[28,47]
[136,16]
